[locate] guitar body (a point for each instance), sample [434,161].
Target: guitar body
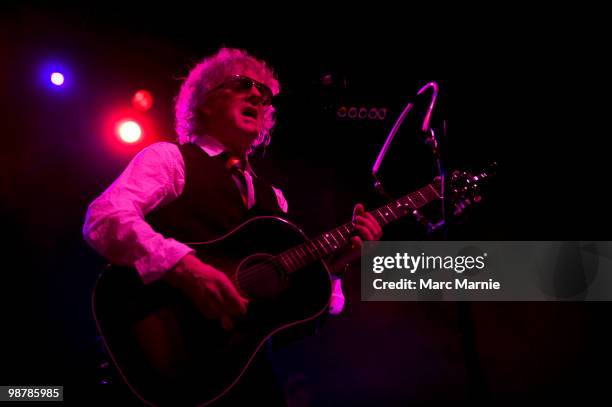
[167,351]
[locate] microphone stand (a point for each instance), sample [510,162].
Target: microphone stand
[477,390]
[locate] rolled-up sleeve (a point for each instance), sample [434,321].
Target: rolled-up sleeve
[115,224]
[336,302]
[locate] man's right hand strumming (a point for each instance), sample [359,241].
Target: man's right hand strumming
[209,289]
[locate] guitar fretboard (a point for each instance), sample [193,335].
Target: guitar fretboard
[333,240]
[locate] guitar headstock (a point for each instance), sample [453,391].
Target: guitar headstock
[463,187]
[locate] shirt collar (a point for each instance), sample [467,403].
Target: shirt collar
[210,145]
[214,147]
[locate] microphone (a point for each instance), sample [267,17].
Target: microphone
[425,127]
[435,88]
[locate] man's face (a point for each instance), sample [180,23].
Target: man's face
[235,116]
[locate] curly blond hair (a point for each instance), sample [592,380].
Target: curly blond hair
[210,72]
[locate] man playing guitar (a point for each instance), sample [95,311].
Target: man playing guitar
[199,189]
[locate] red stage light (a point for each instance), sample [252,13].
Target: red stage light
[142,100]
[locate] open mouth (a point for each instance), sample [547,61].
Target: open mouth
[250,112]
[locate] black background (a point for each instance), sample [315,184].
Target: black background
[516,88]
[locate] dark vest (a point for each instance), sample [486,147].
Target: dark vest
[210,204]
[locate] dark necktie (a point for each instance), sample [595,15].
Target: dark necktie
[236,167]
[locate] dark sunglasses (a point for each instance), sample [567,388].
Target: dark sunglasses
[240,83]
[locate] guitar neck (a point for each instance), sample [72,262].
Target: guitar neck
[330,242]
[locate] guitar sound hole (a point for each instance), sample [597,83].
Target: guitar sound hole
[260,277]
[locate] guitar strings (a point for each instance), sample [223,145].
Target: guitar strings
[250,273]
